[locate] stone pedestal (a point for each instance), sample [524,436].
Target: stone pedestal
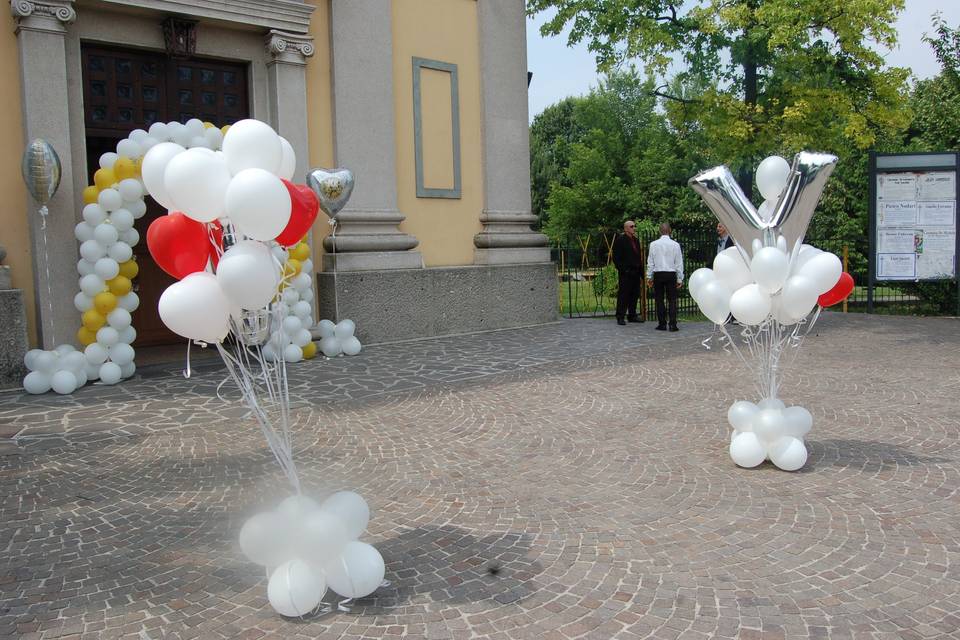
[13,338]
[401,304]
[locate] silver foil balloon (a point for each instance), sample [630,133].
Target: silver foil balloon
[41,170]
[333,188]
[254,326]
[791,216]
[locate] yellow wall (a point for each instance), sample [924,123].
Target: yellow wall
[446,31]
[319,111]
[14,224]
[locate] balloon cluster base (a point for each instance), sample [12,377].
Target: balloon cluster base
[768,430]
[307,547]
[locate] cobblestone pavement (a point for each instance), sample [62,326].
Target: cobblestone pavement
[589,473]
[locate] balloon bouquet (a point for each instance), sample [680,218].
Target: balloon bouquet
[770,282]
[232,214]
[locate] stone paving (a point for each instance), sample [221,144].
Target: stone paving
[567,481]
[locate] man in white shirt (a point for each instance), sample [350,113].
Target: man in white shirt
[665,274]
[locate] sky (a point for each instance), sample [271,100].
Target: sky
[560,71]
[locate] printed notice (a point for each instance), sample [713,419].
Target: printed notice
[935,265]
[896,240]
[937,185]
[940,241]
[897,214]
[937,213]
[896,266]
[897,187]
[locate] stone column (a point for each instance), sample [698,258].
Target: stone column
[287,91]
[506,237]
[368,236]
[41,28]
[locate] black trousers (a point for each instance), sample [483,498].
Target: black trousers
[627,294]
[665,286]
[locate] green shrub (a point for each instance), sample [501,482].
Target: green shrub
[605,282]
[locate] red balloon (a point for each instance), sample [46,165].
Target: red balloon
[178,244]
[215,234]
[303,212]
[839,293]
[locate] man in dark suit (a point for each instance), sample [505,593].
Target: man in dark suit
[724,241]
[629,262]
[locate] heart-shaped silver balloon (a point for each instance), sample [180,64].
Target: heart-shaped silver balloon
[791,216]
[333,188]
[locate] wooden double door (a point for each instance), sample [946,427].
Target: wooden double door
[127,89]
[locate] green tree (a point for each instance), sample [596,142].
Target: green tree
[776,75]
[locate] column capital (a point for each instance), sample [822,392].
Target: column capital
[43,15]
[289,48]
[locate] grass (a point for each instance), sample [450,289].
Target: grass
[580,296]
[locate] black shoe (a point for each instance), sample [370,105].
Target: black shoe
[634,319]
[661,327]
[621,321]
[674,328]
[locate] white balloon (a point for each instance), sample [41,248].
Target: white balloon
[297,506]
[769,425]
[130,302]
[806,253]
[740,415]
[258,203]
[772,176]
[264,540]
[714,301]
[358,572]
[148,143]
[108,159]
[771,403]
[130,189]
[196,181]
[788,453]
[93,214]
[46,363]
[322,538]
[280,254]
[122,220]
[307,295]
[251,144]
[30,358]
[119,318]
[92,284]
[108,336]
[770,267]
[344,329]
[120,251]
[92,371]
[330,346]
[288,162]
[63,382]
[83,232]
[295,589]
[159,131]
[138,135]
[352,510]
[302,338]
[214,137]
[269,353]
[64,349]
[107,268]
[137,207]
[182,136]
[765,210]
[730,269]
[73,361]
[110,200]
[351,346]
[82,301]
[749,305]
[824,270]
[85,267]
[81,376]
[290,296]
[782,244]
[106,234]
[129,148]
[747,451]
[110,373]
[779,314]
[301,281]
[303,310]
[36,382]
[196,308]
[91,250]
[326,328]
[96,353]
[291,325]
[798,422]
[292,353]
[127,370]
[153,169]
[130,237]
[799,295]
[699,278]
[128,335]
[122,354]
[248,275]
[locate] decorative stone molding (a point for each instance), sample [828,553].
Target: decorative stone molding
[288,15]
[43,15]
[289,48]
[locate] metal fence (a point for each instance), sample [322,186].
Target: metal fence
[588,279]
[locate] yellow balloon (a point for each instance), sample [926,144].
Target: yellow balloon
[310,350]
[104,178]
[129,269]
[86,337]
[90,194]
[120,286]
[92,320]
[300,252]
[208,125]
[224,129]
[105,302]
[291,268]
[124,168]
